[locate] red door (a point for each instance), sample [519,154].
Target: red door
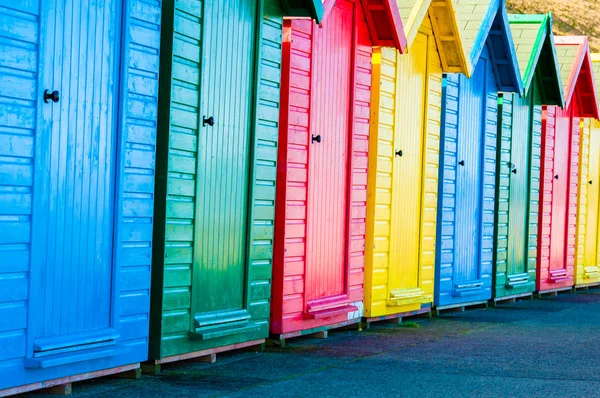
[320,222]
[318,266]
[558,200]
[328,158]
[558,223]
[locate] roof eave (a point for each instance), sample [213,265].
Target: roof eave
[483,33]
[514,64]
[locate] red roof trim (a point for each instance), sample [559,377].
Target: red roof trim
[580,85]
[383,20]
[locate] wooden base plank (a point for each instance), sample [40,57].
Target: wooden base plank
[554,292]
[511,299]
[461,307]
[210,358]
[318,335]
[63,389]
[67,380]
[254,348]
[279,340]
[397,318]
[154,366]
[586,287]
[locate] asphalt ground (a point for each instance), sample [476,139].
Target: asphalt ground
[535,348]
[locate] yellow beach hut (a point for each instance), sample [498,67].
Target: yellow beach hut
[404,158]
[587,258]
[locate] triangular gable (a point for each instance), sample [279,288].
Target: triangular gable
[536,55]
[385,23]
[575,65]
[474,18]
[501,47]
[596,71]
[485,22]
[445,30]
[383,18]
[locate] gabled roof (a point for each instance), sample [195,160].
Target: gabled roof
[501,47]
[485,22]
[445,29]
[536,54]
[474,18]
[575,65]
[596,70]
[385,23]
[383,18]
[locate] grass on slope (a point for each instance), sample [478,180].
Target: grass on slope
[571,17]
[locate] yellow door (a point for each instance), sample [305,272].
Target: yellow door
[407,172]
[588,261]
[593,232]
[403,168]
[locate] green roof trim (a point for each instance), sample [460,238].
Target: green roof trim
[304,8]
[536,53]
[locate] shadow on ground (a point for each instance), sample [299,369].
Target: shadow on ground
[547,347]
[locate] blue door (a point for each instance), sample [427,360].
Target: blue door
[469,181]
[74,192]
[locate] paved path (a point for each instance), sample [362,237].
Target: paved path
[548,347]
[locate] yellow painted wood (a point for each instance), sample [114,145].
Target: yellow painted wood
[402,190]
[587,256]
[441,17]
[587,259]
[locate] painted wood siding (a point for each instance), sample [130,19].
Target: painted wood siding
[401,253]
[535,184]
[380,184]
[136,169]
[505,145]
[547,182]
[360,151]
[291,265]
[573,197]
[19,95]
[172,310]
[553,254]
[587,266]
[505,133]
[19,46]
[453,265]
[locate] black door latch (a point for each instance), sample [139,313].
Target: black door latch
[210,121]
[53,96]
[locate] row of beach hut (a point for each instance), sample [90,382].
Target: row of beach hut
[182,178]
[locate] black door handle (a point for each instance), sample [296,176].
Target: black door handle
[514,171]
[210,121]
[462,162]
[590,182]
[53,96]
[316,138]
[399,153]
[556,177]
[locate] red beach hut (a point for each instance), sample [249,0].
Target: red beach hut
[560,165]
[318,266]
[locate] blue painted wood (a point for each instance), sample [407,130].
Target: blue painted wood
[76,184]
[495,36]
[467,192]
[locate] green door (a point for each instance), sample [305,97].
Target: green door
[518,211]
[223,161]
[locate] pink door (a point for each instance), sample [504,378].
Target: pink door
[327,210]
[558,232]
